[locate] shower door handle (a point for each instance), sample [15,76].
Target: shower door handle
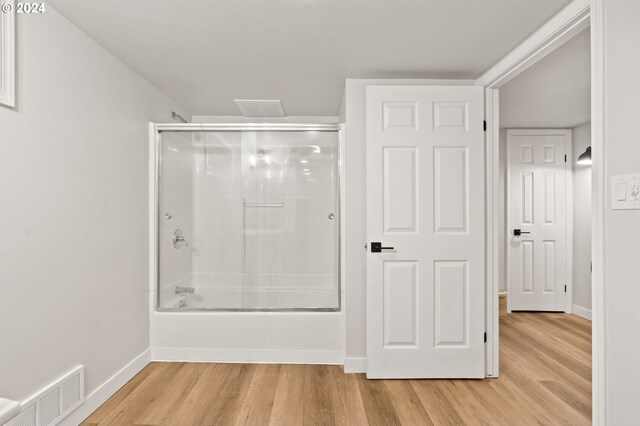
[377,247]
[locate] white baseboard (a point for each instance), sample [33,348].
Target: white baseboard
[107,389]
[248,356]
[582,312]
[355,365]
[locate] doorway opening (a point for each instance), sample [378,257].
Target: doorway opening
[545,219]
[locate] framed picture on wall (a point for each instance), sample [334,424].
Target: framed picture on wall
[7,54]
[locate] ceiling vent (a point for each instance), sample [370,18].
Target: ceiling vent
[260,108]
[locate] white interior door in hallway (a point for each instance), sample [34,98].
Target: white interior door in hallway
[537,229]
[425,224]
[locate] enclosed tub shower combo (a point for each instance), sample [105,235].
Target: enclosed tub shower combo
[247,232]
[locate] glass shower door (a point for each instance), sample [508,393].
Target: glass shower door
[248,220]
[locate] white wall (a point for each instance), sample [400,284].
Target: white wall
[73,185]
[342,113]
[622,239]
[554,92]
[581,222]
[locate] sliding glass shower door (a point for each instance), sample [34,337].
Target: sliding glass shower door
[248,220]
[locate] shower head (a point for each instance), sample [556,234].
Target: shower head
[177,116]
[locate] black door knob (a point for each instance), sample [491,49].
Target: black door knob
[377,247]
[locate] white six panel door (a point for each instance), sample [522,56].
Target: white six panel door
[537,205]
[425,198]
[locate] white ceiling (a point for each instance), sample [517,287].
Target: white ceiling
[204,53]
[555,92]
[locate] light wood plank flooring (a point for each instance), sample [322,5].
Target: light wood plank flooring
[545,379]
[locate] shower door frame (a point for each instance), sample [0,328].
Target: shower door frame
[155,163]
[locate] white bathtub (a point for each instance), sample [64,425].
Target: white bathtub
[192,334]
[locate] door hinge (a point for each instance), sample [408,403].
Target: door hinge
[485,337]
[484,125]
[565,158]
[565,288]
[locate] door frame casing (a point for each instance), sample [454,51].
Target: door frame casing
[577,16]
[568,170]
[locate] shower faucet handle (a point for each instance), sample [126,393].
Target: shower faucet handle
[178,239]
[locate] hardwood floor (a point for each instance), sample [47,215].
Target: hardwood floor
[545,379]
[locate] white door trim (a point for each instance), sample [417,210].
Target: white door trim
[568,305]
[557,31]
[576,16]
[492,193]
[600,197]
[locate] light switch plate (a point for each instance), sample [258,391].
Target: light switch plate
[625,192]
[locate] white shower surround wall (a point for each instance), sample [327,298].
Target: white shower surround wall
[281,291]
[246,337]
